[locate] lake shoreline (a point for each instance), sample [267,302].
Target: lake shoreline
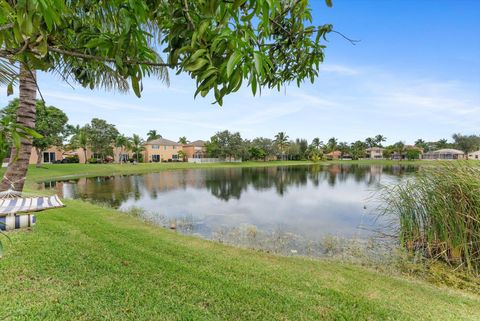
[54,172]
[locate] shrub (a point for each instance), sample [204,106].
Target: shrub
[439,213]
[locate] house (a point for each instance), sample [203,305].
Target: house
[444,154]
[474,155]
[195,149]
[162,150]
[334,155]
[375,152]
[48,156]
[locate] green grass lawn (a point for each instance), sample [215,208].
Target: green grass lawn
[85,262]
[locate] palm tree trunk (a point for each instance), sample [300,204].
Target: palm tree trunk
[17,169]
[85,154]
[39,157]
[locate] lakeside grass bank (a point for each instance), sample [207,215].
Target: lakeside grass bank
[89,262]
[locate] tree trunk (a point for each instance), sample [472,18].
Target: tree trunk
[39,157]
[17,169]
[85,154]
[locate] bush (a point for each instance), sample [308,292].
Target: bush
[439,213]
[92,161]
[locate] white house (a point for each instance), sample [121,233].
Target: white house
[474,155]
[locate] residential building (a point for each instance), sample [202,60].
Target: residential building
[47,156]
[195,149]
[474,155]
[335,155]
[444,154]
[162,150]
[375,152]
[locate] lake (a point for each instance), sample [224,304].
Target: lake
[303,203]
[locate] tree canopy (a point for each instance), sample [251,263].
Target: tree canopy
[115,44]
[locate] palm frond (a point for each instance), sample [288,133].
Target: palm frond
[8,72]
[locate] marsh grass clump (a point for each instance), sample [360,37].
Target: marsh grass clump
[439,213]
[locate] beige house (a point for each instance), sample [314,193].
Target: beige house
[474,155]
[48,156]
[162,150]
[195,149]
[375,152]
[445,154]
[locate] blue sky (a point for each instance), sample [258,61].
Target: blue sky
[415,74]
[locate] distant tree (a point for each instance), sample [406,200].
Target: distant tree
[123,143]
[332,144]
[281,142]
[422,144]
[370,142]
[265,144]
[344,148]
[379,139]
[302,146]
[293,150]
[399,147]
[357,149]
[50,124]
[182,155]
[225,145]
[183,140]
[79,139]
[412,153]
[442,143]
[137,146]
[257,153]
[466,143]
[101,137]
[152,134]
[317,143]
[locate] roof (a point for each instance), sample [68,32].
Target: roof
[162,142]
[335,153]
[197,143]
[447,151]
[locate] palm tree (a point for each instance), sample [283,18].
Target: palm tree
[121,142]
[317,143]
[281,141]
[183,140]
[80,140]
[332,144]
[370,142]
[152,134]
[379,139]
[344,148]
[137,145]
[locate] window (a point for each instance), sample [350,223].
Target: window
[175,156]
[155,158]
[48,157]
[155,146]
[174,147]
[164,147]
[476,156]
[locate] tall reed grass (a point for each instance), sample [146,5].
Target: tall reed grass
[439,213]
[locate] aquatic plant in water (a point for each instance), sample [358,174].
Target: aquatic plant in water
[438,213]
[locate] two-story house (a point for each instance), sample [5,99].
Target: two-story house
[162,150]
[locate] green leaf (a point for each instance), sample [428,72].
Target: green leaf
[199,63]
[136,86]
[329,3]
[258,63]
[232,62]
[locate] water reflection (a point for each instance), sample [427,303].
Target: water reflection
[307,200]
